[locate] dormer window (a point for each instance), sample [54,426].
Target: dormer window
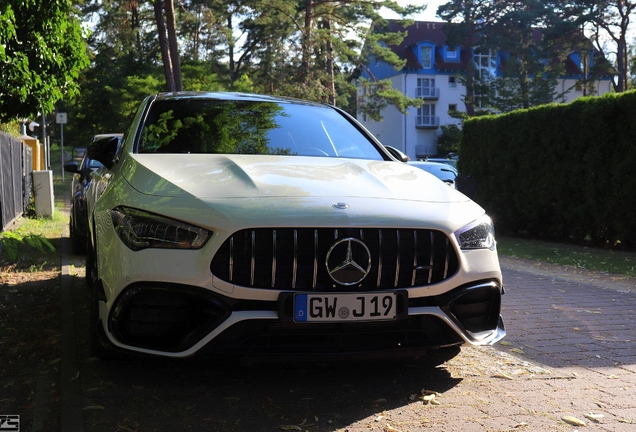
[452,54]
[426,57]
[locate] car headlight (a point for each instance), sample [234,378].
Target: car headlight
[141,230]
[479,234]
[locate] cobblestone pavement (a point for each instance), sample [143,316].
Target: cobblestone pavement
[568,361]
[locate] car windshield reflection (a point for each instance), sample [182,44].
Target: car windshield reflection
[248,127]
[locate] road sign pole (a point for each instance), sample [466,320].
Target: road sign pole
[62,143]
[61,119]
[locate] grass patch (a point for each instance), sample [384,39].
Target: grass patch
[602,260]
[33,243]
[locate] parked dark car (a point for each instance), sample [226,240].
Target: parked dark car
[78,223]
[449,161]
[448,174]
[445,172]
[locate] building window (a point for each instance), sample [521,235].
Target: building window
[426,115]
[452,107]
[426,59]
[452,82]
[425,87]
[485,70]
[485,65]
[451,54]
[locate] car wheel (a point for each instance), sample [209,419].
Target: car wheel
[100,346]
[91,265]
[77,241]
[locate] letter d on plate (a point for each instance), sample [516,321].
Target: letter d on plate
[300,307]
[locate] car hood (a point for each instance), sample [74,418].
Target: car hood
[254,176]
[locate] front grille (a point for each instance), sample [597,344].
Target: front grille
[295,259]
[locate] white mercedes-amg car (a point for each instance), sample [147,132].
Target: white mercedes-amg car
[263,226]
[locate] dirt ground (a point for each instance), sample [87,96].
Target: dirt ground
[30,350]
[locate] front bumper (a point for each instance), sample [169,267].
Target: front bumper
[178,321]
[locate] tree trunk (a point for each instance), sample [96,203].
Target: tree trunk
[469,99]
[233,74]
[174,47]
[330,71]
[163,43]
[621,64]
[307,40]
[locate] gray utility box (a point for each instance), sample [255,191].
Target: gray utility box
[43,192]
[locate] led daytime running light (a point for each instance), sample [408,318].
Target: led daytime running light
[141,230]
[479,234]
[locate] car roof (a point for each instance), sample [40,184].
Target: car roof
[234,96]
[109,135]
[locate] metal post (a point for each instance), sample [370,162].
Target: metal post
[62,139]
[47,154]
[61,119]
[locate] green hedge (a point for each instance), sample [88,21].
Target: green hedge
[558,172]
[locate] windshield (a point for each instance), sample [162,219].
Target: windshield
[248,127]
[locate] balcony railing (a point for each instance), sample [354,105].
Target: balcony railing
[428,93]
[427,122]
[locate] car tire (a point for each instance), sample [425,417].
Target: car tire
[91,265]
[100,346]
[78,242]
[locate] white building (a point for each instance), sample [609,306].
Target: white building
[431,72]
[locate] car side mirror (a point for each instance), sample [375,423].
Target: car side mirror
[71,167]
[397,154]
[104,151]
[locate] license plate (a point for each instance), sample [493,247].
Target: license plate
[345,307]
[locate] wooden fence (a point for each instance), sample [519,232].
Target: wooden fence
[15,178]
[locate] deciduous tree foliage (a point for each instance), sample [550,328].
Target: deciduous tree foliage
[532,38]
[612,18]
[298,48]
[466,19]
[42,51]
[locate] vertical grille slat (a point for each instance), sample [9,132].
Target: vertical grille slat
[231,259]
[432,259]
[313,283]
[253,258]
[295,264]
[294,259]
[397,259]
[414,258]
[446,261]
[273,259]
[380,251]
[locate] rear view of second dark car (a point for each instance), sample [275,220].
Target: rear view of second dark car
[78,223]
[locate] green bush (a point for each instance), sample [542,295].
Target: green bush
[558,172]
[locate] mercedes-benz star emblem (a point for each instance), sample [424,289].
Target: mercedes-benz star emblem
[348,261]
